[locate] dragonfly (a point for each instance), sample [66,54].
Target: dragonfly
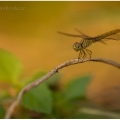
[88,40]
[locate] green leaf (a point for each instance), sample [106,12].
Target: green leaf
[77,87]
[2,112]
[38,75]
[3,95]
[53,79]
[10,67]
[38,99]
[27,80]
[50,81]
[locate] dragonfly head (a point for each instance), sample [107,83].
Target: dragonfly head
[77,46]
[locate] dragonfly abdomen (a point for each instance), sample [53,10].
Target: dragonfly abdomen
[105,35]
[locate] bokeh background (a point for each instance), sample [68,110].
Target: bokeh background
[30,33]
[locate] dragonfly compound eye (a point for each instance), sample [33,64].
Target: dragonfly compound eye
[76,46]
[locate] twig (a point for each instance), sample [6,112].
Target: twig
[49,74]
[99,112]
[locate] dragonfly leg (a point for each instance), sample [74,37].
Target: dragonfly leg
[84,55]
[80,54]
[89,52]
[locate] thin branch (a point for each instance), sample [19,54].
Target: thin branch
[49,74]
[103,113]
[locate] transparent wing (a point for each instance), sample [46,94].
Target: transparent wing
[67,34]
[82,34]
[102,42]
[113,37]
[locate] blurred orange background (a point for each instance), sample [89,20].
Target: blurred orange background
[30,33]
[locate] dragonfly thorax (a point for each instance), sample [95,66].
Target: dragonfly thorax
[77,46]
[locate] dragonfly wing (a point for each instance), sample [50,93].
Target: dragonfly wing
[102,42]
[111,37]
[114,37]
[81,33]
[67,34]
